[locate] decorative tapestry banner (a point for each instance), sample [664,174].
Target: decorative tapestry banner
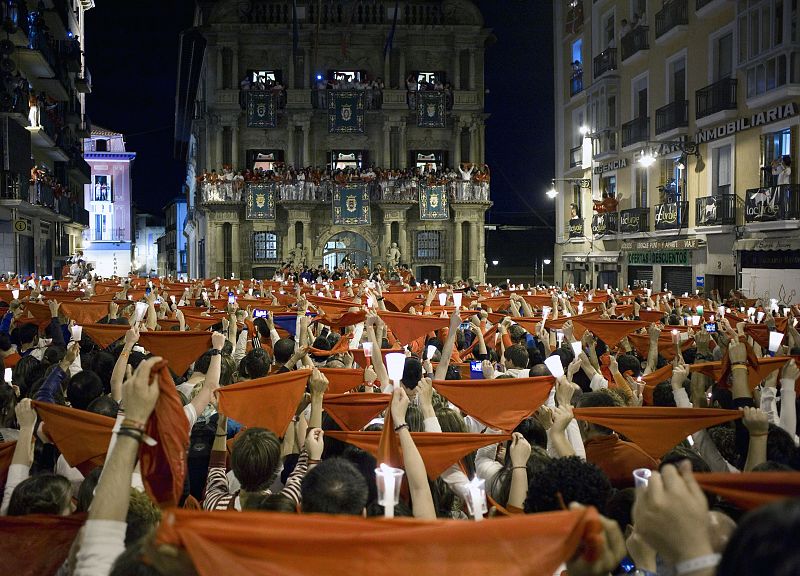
[346,111]
[260,201]
[433,203]
[431,110]
[261,109]
[351,205]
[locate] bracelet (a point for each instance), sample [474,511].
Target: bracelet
[400,427]
[695,564]
[519,467]
[128,423]
[739,367]
[215,352]
[137,435]
[221,435]
[123,353]
[379,299]
[312,461]
[759,434]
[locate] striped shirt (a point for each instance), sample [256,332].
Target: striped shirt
[219,496]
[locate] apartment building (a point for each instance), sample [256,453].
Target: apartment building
[673,122]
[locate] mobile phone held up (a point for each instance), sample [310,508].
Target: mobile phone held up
[475,370]
[260,313]
[711,327]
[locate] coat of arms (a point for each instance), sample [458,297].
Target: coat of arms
[261,200]
[434,200]
[347,112]
[351,204]
[261,109]
[431,109]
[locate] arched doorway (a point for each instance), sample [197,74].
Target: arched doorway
[347,246]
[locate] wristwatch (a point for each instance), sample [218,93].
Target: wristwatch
[215,352]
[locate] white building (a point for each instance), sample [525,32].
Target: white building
[145,250]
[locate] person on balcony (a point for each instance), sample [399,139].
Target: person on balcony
[624,28]
[783,170]
[34,110]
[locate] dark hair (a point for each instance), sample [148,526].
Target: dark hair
[533,431]
[781,447]
[366,464]
[680,453]
[620,507]
[42,494]
[662,395]
[270,503]
[283,350]
[5,342]
[320,343]
[104,405]
[517,334]
[254,458]
[82,388]
[597,400]
[255,364]
[8,403]
[518,355]
[86,489]
[102,364]
[412,373]
[565,480]
[334,486]
[142,516]
[759,544]
[27,333]
[629,362]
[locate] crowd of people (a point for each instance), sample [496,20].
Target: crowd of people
[165,427]
[373,89]
[468,182]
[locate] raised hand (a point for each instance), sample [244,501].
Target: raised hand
[140,391]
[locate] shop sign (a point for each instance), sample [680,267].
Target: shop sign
[611,166]
[746,122]
[670,257]
[683,244]
[605,223]
[671,216]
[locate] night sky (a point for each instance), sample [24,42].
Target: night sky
[132,51]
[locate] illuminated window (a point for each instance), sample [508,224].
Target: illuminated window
[265,246]
[429,245]
[102,188]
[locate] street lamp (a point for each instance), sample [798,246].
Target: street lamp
[545,261]
[686,149]
[583,182]
[495,262]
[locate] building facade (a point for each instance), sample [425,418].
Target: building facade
[145,251]
[108,243]
[42,121]
[174,240]
[344,42]
[672,122]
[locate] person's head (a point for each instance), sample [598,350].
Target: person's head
[255,364]
[8,403]
[787,161]
[517,334]
[28,335]
[663,396]
[41,494]
[412,373]
[271,503]
[564,480]
[86,490]
[104,405]
[680,453]
[255,456]
[533,431]
[781,447]
[759,544]
[516,357]
[629,362]
[334,486]
[142,516]
[82,388]
[201,364]
[283,350]
[595,400]
[620,507]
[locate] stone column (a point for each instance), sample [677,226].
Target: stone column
[290,79]
[402,241]
[291,160]
[236,254]
[291,239]
[387,69]
[387,146]
[458,243]
[387,238]
[306,160]
[472,68]
[481,252]
[235,68]
[308,243]
[481,142]
[401,71]
[306,70]
[456,159]
[456,82]
[473,249]
[218,147]
[235,144]
[473,144]
[403,152]
[219,67]
[219,260]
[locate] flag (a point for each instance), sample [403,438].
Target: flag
[295,30]
[387,48]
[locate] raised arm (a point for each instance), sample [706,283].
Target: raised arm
[421,499]
[118,374]
[447,349]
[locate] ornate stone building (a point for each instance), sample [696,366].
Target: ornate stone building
[240,44]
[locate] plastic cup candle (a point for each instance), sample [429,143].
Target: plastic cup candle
[641,477]
[695,320]
[721,311]
[675,336]
[576,348]
[77,333]
[140,311]
[775,339]
[389,480]
[545,312]
[750,311]
[337,293]
[457,297]
[559,337]
[442,298]
[553,364]
[773,304]
[476,503]
[649,292]
[759,317]
[700,310]
[395,364]
[430,351]
[15,294]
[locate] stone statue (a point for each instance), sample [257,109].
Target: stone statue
[298,256]
[393,256]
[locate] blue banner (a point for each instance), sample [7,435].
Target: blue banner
[434,203]
[431,109]
[262,109]
[260,200]
[346,111]
[351,205]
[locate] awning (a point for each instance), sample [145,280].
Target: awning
[767,244]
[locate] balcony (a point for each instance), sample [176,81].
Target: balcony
[700,4]
[42,65]
[576,156]
[576,228]
[719,210]
[604,144]
[636,131]
[672,216]
[605,223]
[373,99]
[672,116]
[604,62]
[675,13]
[575,84]
[772,204]
[634,220]
[717,97]
[80,215]
[635,41]
[573,21]
[64,206]
[83,81]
